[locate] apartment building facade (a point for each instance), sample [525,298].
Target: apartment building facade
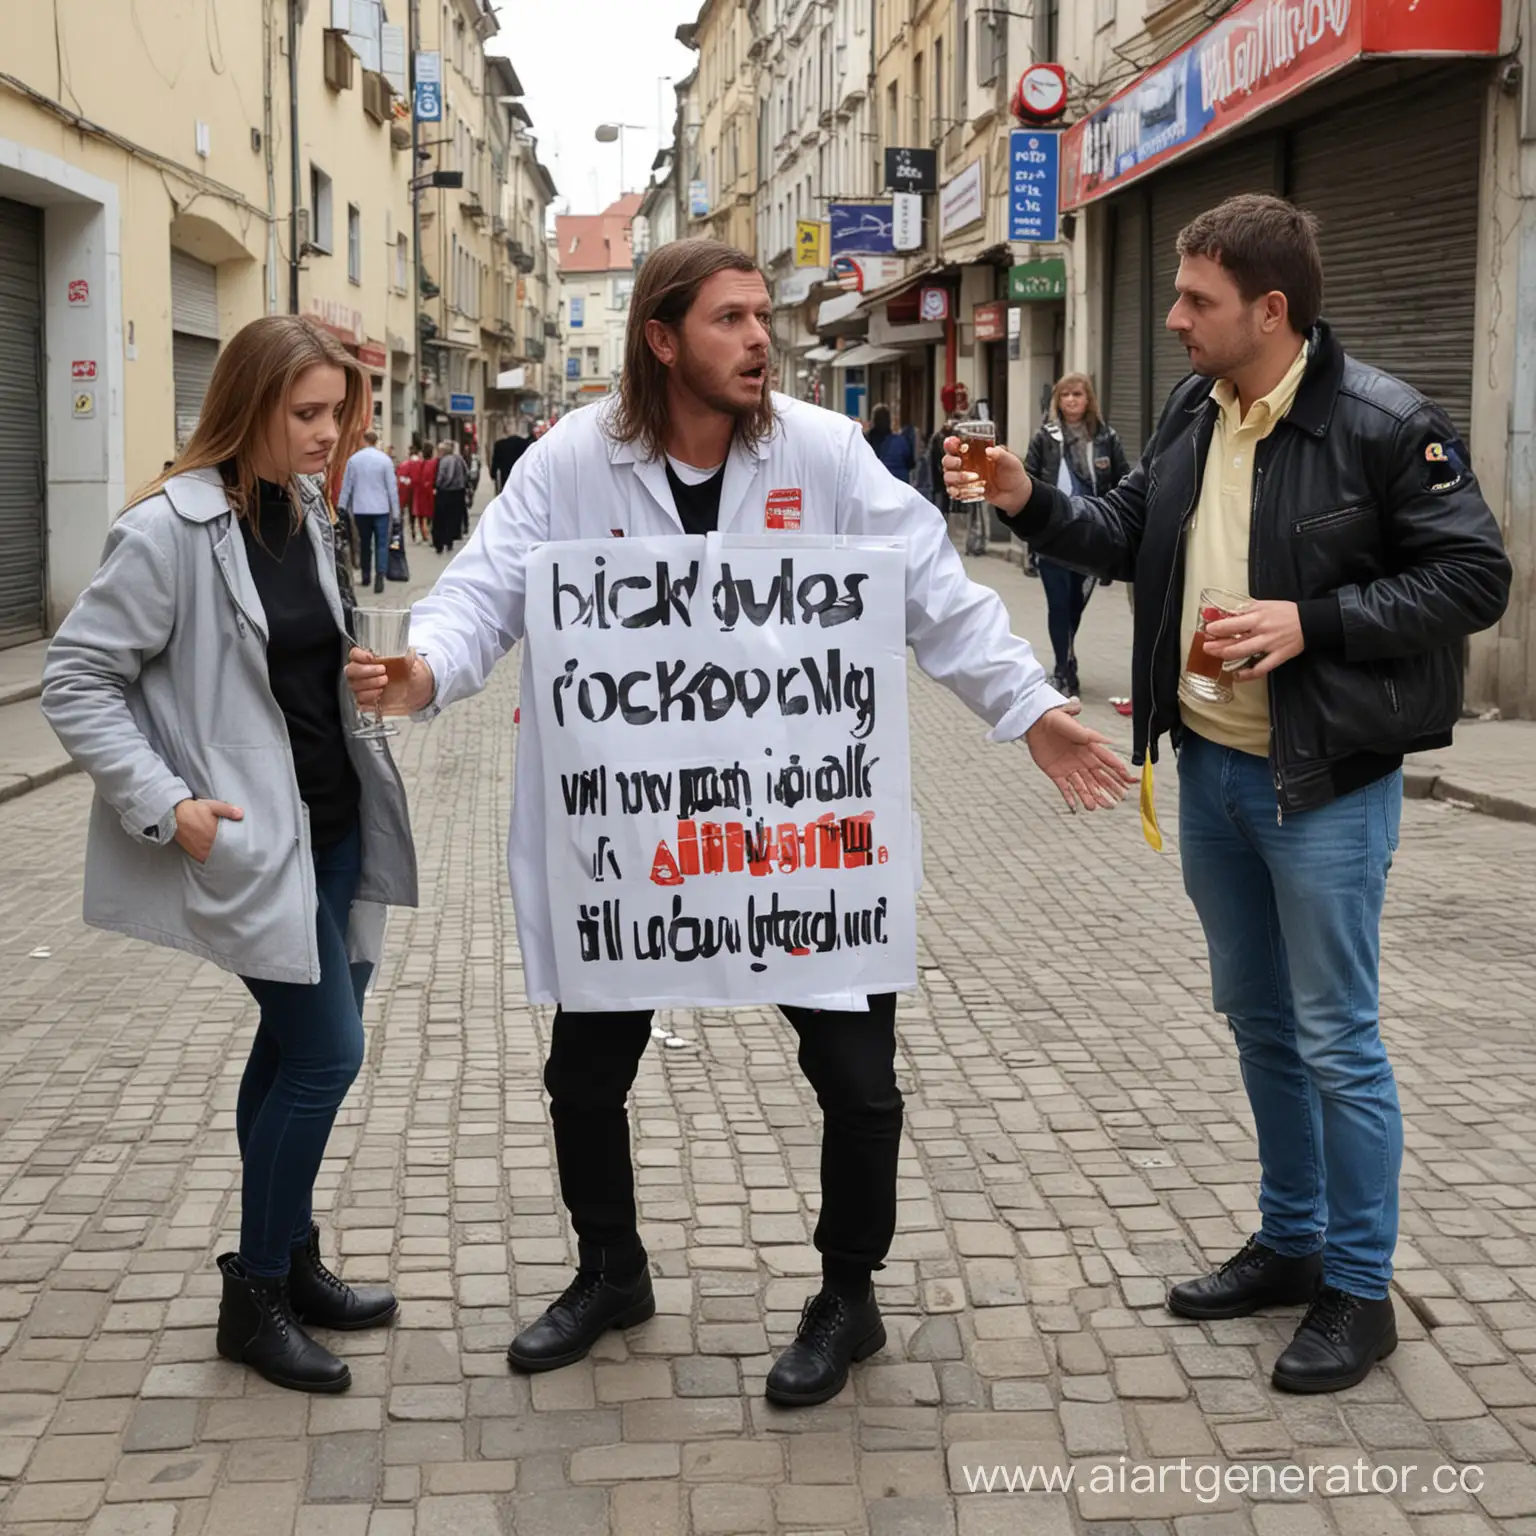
[154,197]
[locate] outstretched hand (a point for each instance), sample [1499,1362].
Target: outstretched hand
[1078,761]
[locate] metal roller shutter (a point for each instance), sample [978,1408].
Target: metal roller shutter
[1120,388]
[192,360]
[194,296]
[194,338]
[23,487]
[1177,197]
[1393,180]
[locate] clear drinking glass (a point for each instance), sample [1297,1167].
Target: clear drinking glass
[975,438]
[385,634]
[1205,677]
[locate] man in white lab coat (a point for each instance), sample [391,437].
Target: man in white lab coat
[696,442]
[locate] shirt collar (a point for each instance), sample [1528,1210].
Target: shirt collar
[1271,406]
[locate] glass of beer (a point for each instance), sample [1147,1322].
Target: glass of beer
[975,438]
[385,634]
[1204,679]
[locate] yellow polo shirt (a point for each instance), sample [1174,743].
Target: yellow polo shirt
[1218,549]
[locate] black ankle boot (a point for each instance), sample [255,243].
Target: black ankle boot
[1254,1277]
[1340,1339]
[591,1305]
[322,1300]
[833,1333]
[257,1328]
[378,582]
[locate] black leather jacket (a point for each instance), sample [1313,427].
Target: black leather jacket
[1366,514]
[1043,457]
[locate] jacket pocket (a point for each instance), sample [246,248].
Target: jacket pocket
[1321,520]
[1337,548]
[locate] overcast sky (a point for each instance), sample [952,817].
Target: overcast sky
[584,62]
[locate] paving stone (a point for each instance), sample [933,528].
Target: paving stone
[162,1426]
[559,1514]
[133,1520]
[343,1469]
[164,1475]
[73,1459]
[723,1510]
[462,1514]
[911,1517]
[647,1509]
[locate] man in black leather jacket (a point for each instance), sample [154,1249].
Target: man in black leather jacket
[1340,503]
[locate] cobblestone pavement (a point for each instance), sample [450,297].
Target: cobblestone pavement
[1076,1138]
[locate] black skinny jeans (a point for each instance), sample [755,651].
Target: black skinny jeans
[848,1058]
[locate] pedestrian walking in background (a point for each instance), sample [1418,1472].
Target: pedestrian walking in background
[370,496]
[504,456]
[896,450]
[1077,451]
[407,473]
[1314,525]
[198,680]
[424,494]
[694,416]
[449,515]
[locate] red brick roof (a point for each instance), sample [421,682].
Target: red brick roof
[597,242]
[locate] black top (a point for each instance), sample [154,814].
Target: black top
[304,655]
[697,505]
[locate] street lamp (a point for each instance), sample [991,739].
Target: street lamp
[609,133]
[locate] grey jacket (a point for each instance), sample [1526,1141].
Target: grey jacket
[157,685]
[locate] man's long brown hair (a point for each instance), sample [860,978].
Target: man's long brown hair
[669,282]
[253,377]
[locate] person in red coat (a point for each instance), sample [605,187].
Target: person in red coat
[408,474]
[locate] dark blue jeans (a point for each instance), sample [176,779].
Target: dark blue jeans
[307,1053]
[1292,918]
[372,544]
[1066,596]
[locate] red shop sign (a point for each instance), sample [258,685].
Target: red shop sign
[1259,54]
[991,321]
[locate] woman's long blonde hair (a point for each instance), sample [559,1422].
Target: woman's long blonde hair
[1092,420]
[253,377]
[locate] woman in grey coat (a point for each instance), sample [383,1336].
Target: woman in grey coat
[198,680]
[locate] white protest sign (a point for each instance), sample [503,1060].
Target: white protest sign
[722,725]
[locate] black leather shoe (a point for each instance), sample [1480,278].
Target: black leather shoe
[257,1328]
[833,1334]
[1340,1339]
[590,1306]
[378,582]
[1254,1277]
[323,1300]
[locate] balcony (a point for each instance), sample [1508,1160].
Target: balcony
[535,349]
[552,329]
[498,224]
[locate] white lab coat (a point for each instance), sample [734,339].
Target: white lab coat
[578,483]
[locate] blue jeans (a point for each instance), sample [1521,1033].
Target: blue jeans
[307,1053]
[1292,918]
[372,544]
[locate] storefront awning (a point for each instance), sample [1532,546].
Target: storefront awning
[820,355]
[864,357]
[878,296]
[1249,61]
[843,307]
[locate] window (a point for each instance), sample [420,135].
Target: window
[354,243]
[594,364]
[919,128]
[893,115]
[319,209]
[457,274]
[963,57]
[940,122]
[1048,29]
[402,264]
